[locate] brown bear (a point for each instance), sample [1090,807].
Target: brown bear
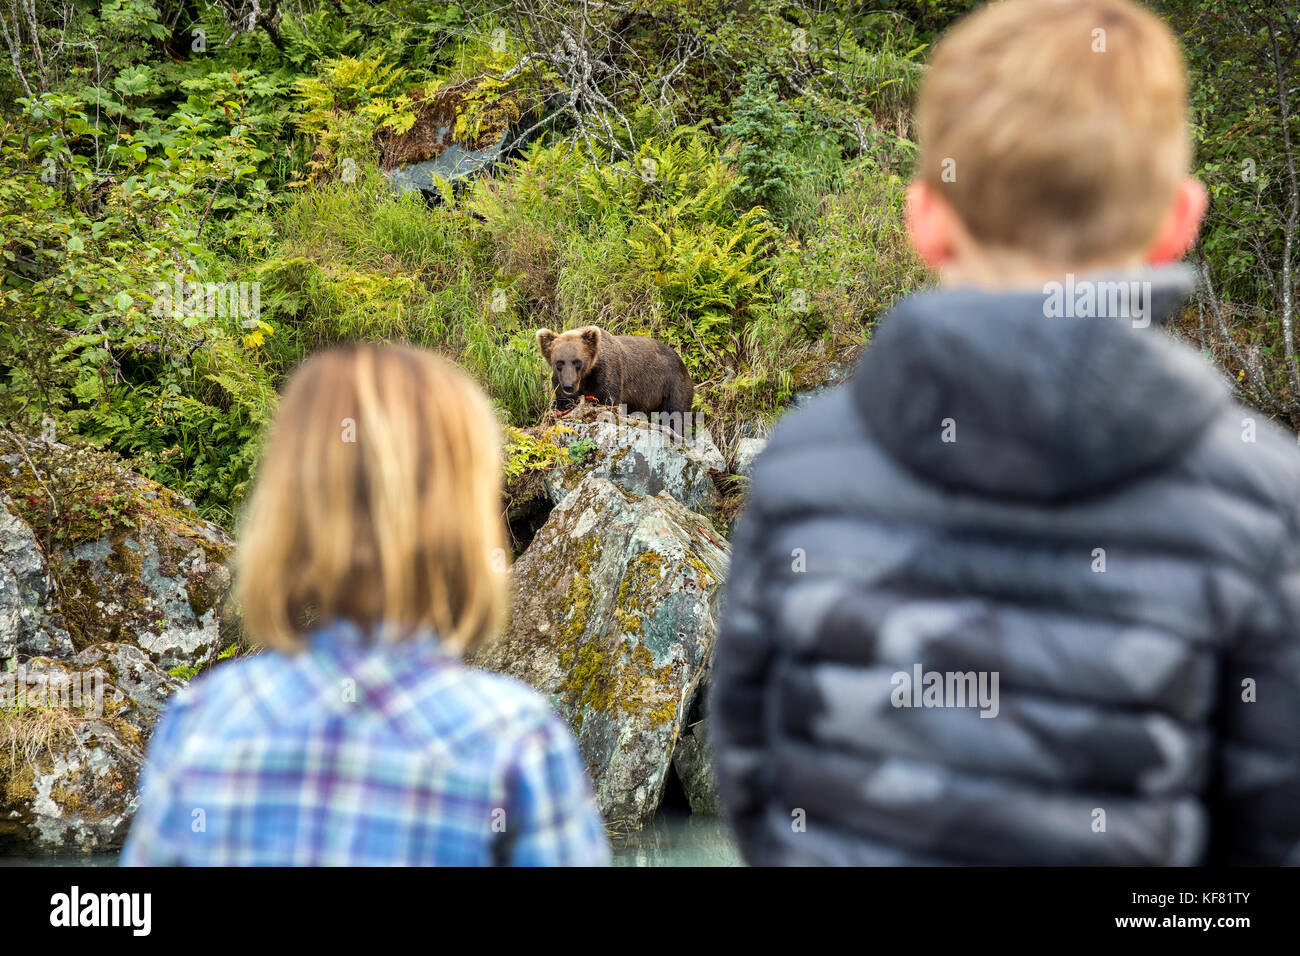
[633,370]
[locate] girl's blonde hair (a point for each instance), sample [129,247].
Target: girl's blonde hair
[377,502]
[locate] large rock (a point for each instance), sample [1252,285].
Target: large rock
[746,454]
[693,762]
[107,581]
[80,731]
[26,618]
[614,613]
[638,457]
[706,448]
[131,560]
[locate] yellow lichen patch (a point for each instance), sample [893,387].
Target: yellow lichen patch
[579,594]
[613,673]
[707,576]
[576,658]
[628,622]
[654,693]
[636,592]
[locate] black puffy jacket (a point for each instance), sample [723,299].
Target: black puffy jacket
[1108,535]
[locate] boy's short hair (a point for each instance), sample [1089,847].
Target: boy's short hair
[1057,127]
[378,501]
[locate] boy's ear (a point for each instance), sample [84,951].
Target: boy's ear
[1182,223]
[545,340]
[931,225]
[591,339]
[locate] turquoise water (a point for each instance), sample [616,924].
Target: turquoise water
[671,840]
[678,840]
[93,859]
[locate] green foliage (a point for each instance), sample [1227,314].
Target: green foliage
[524,454]
[659,242]
[67,496]
[711,277]
[190,671]
[358,262]
[1244,59]
[340,109]
[768,131]
[91,336]
[790,159]
[581,450]
[761,241]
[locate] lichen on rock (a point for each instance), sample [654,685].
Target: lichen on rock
[613,616]
[547,462]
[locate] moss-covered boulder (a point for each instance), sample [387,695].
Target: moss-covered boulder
[123,558]
[73,734]
[112,591]
[614,613]
[457,131]
[637,456]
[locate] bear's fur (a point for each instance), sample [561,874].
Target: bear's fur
[633,370]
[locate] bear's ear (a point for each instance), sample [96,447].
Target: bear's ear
[545,340]
[591,339]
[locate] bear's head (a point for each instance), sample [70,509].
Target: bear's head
[571,355]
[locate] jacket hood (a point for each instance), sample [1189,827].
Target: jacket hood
[1047,399]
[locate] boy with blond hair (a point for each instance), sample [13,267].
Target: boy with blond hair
[1026,590]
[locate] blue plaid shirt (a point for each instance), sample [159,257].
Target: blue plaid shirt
[351,755]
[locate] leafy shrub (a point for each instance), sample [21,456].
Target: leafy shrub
[91,337]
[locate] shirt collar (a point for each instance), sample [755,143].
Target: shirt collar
[343,635]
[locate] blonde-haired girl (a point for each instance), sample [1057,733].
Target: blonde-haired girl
[370,559]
